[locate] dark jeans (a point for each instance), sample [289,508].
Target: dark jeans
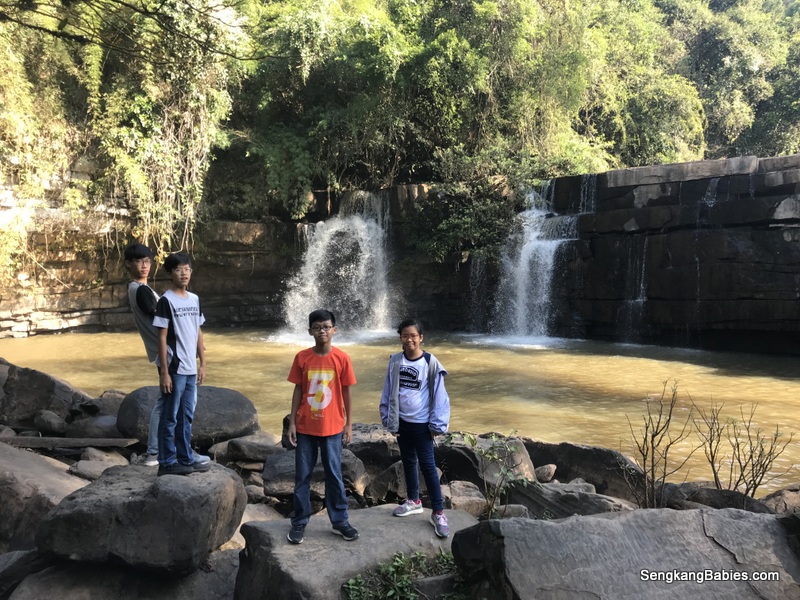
[305,457]
[416,447]
[175,424]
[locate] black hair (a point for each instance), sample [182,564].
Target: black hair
[321,315]
[137,251]
[410,323]
[174,261]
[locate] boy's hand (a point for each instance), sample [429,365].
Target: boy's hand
[201,374]
[292,434]
[347,434]
[166,382]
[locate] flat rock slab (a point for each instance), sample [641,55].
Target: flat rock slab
[132,516]
[273,569]
[78,581]
[60,442]
[632,555]
[30,487]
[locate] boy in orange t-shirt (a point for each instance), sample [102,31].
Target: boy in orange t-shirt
[320,422]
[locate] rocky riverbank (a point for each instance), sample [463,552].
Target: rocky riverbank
[79,520]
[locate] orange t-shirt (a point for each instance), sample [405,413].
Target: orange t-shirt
[321,379]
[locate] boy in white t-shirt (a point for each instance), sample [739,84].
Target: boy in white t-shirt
[179,317]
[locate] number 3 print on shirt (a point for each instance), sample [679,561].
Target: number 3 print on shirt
[319,391]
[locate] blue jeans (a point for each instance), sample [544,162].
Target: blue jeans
[175,424]
[305,457]
[152,434]
[416,448]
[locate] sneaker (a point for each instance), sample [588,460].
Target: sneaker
[200,467]
[409,507]
[439,522]
[347,531]
[295,535]
[174,469]
[149,460]
[201,459]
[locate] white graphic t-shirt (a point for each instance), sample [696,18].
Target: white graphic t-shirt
[182,318]
[413,396]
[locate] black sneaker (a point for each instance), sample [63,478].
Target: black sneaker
[174,469]
[347,531]
[296,534]
[200,467]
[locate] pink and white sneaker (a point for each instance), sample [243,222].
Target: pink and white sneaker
[409,507]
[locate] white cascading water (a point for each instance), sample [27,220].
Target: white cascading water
[344,268]
[523,296]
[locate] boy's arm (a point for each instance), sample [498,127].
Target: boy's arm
[296,397]
[166,380]
[348,421]
[201,355]
[146,300]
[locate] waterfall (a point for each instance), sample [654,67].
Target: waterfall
[523,296]
[635,299]
[344,267]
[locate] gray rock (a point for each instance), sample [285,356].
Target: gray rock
[169,523]
[784,501]
[88,469]
[460,461]
[252,513]
[619,556]
[80,581]
[6,432]
[49,423]
[436,586]
[110,457]
[376,447]
[16,566]
[556,501]
[255,447]
[107,403]
[545,473]
[26,391]
[610,472]
[104,426]
[511,511]
[278,475]
[391,485]
[221,414]
[707,495]
[31,486]
[468,497]
[272,569]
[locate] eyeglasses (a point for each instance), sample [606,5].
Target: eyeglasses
[182,270]
[409,336]
[318,328]
[142,262]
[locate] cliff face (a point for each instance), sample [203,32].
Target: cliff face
[700,254]
[697,254]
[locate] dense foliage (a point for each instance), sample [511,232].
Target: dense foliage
[289,96]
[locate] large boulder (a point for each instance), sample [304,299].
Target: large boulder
[278,475]
[221,414]
[79,581]
[784,501]
[32,486]
[557,500]
[486,461]
[376,447]
[655,554]
[102,427]
[708,495]
[132,516]
[24,392]
[610,472]
[391,485]
[272,569]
